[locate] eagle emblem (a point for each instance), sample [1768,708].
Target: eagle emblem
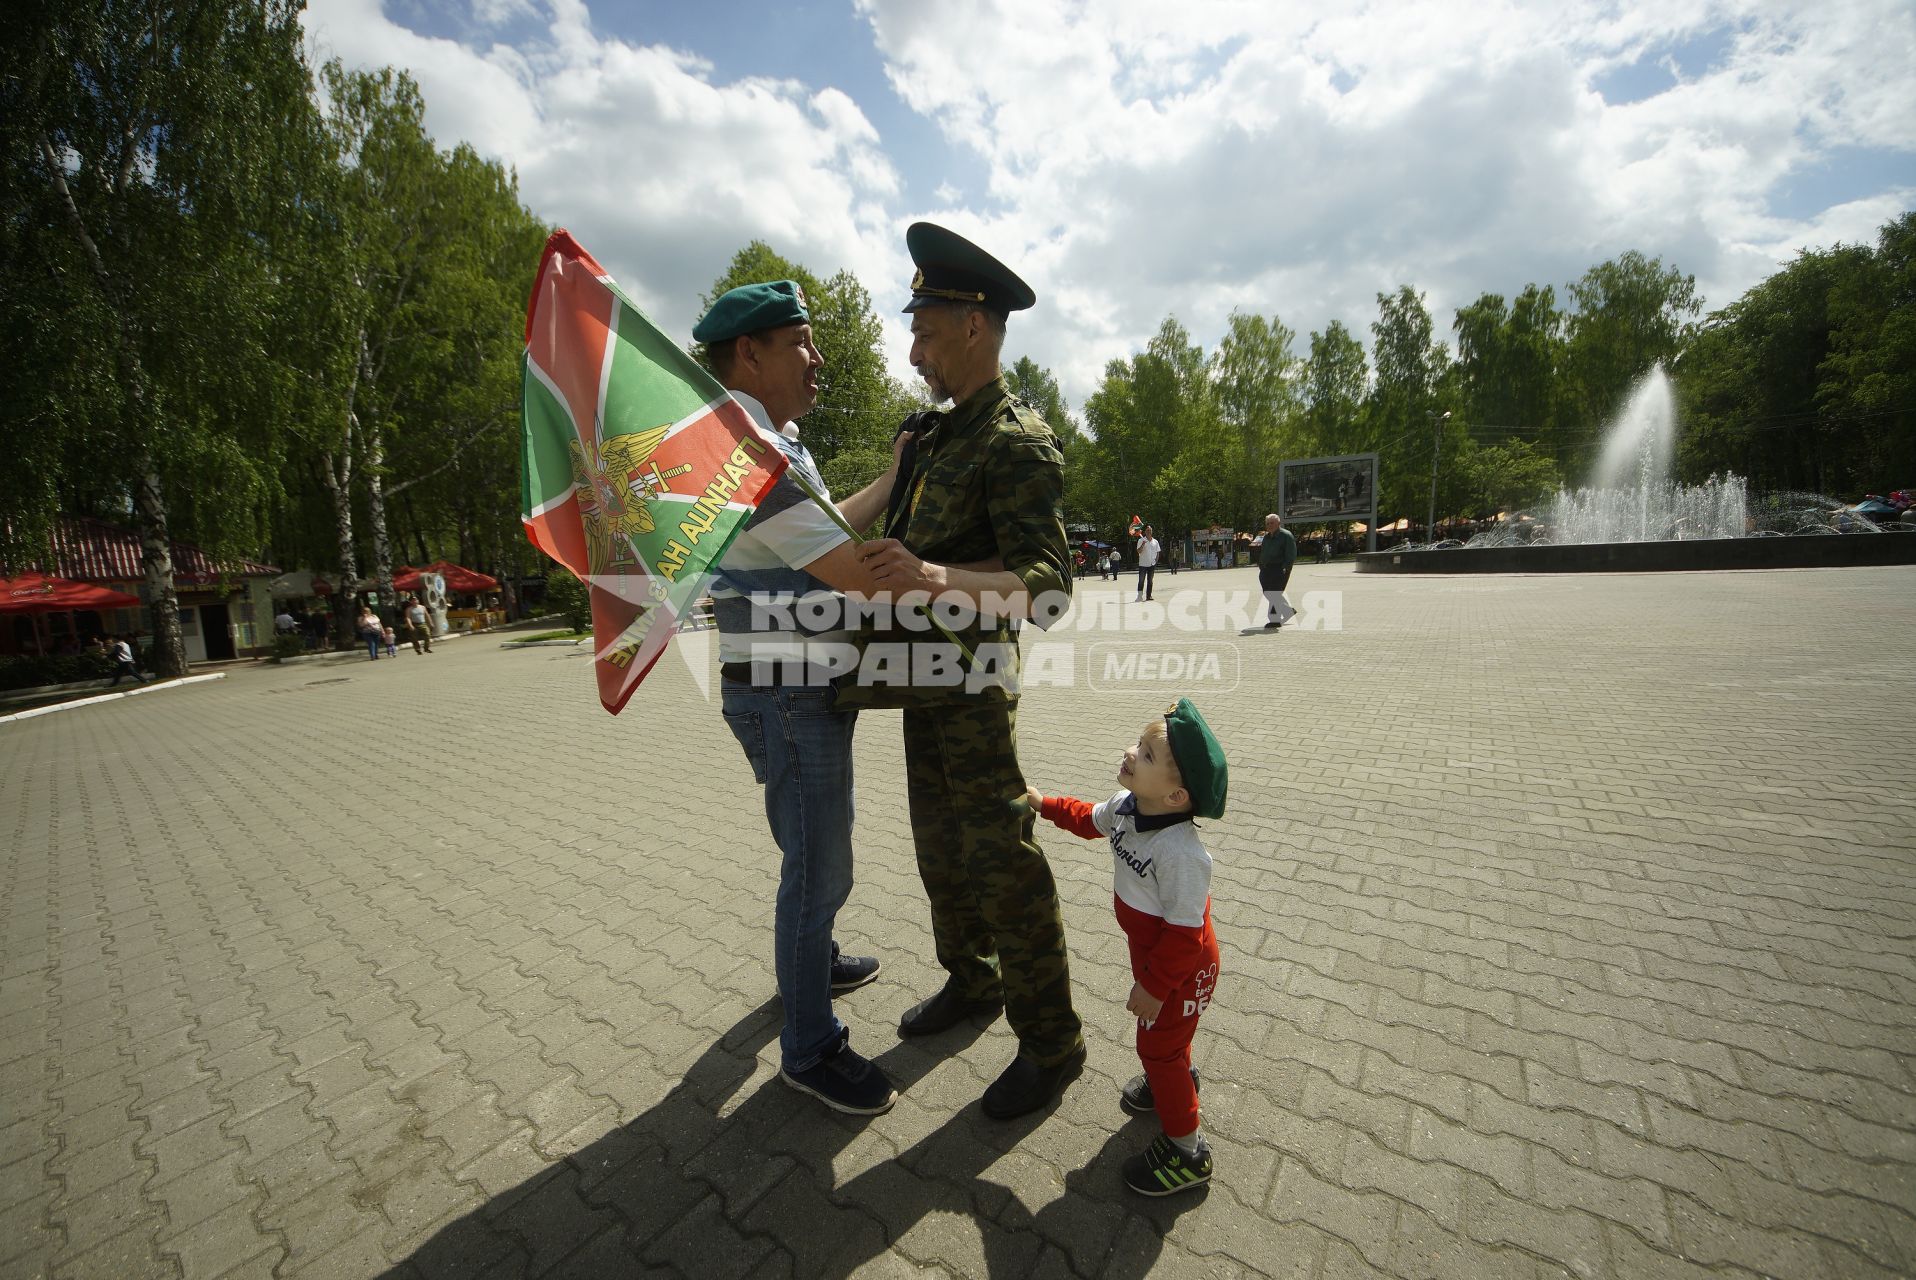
[615,495]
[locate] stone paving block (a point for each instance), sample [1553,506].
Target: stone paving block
[283,1124]
[218,1243]
[1567,1238]
[190,1201]
[129,1255]
[1358,1220]
[31,1244]
[355,1255]
[89,1169]
[1431,1186]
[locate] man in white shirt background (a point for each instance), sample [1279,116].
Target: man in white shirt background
[1147,562]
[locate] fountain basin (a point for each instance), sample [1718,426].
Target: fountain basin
[1686,556]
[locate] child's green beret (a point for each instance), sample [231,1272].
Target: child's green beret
[751,308]
[1200,759]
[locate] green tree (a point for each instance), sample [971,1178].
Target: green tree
[1255,381]
[1630,313]
[1402,408]
[1336,378]
[448,403]
[146,177]
[1158,439]
[1503,477]
[1868,382]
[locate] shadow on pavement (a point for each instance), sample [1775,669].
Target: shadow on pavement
[683,1188]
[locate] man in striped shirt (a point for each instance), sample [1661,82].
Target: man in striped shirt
[783,634]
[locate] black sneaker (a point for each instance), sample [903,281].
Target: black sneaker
[845,1082]
[1164,1169]
[849,973]
[1136,1098]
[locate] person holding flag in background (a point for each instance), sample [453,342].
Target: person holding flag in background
[1147,558]
[776,666]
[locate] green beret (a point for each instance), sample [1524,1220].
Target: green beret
[1200,759]
[751,308]
[953,269]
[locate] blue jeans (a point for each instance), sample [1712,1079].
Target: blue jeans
[800,748]
[372,646]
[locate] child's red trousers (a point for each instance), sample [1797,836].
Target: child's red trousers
[1164,1044]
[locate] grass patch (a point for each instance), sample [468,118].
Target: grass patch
[553,635]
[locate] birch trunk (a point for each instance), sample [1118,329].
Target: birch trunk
[156,565]
[376,513]
[339,476]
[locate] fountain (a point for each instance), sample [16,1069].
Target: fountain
[1635,517]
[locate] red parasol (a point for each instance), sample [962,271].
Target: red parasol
[459,580]
[44,593]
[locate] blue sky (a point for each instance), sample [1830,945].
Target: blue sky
[1135,160]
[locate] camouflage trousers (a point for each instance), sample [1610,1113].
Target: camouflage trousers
[994,906]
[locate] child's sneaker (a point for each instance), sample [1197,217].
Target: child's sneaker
[1164,1169]
[1136,1095]
[845,1082]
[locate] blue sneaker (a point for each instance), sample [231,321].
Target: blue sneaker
[849,973]
[845,1082]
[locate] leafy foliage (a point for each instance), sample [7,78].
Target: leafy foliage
[567,596]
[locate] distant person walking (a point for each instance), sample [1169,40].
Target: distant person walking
[1147,562]
[123,662]
[371,630]
[1275,560]
[418,626]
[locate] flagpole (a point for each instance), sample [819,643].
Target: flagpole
[859,539]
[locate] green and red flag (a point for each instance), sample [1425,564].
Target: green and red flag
[639,468]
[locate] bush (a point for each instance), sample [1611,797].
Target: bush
[287,646]
[25,671]
[567,595]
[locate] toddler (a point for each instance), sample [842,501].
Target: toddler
[1163,898]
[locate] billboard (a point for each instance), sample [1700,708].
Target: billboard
[1318,489]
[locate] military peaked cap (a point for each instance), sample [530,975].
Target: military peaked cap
[751,308]
[951,269]
[1200,759]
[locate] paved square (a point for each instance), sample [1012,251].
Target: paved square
[1569,929]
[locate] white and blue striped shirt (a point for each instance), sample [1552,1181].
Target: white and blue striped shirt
[766,606]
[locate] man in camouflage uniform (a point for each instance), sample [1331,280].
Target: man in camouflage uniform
[976,521]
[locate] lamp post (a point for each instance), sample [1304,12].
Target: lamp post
[1436,443]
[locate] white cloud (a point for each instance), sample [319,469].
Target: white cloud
[1144,159]
[1150,159]
[656,167]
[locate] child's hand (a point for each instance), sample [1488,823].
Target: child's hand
[1034,798]
[1143,1003]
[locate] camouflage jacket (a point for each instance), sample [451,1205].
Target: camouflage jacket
[987,483]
